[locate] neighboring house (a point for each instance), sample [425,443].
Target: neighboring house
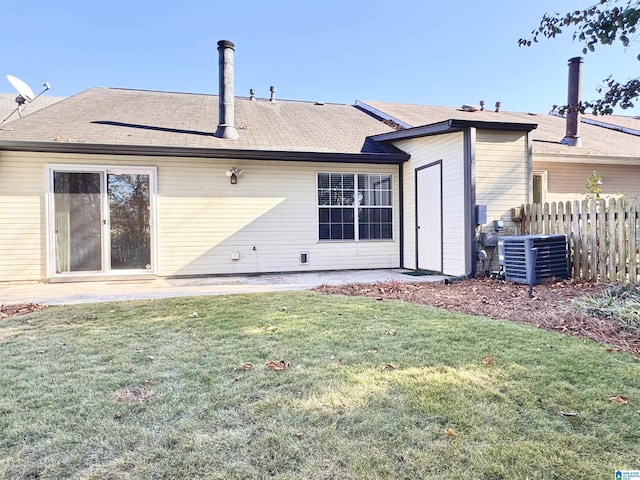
[559,171]
[609,145]
[127,184]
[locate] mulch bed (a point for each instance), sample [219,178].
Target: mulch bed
[550,306]
[22,309]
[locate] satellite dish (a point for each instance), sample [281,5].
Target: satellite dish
[23,89]
[25,94]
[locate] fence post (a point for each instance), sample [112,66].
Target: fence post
[567,219]
[611,240]
[592,241]
[584,240]
[546,220]
[601,221]
[620,243]
[559,217]
[526,222]
[631,252]
[575,235]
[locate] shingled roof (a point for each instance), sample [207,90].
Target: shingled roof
[8,105]
[141,118]
[596,140]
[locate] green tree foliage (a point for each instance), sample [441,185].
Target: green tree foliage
[593,186]
[605,23]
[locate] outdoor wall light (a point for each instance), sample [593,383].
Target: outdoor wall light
[233,174]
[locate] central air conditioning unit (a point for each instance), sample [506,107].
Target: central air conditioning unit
[532,259]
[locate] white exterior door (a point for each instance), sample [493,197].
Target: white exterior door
[429,217]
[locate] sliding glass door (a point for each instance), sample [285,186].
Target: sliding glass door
[101,220]
[78,221]
[130,221]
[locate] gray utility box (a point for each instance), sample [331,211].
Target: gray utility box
[533,258]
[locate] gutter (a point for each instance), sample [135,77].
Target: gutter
[199,152]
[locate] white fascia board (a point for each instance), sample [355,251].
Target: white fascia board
[610,126]
[590,159]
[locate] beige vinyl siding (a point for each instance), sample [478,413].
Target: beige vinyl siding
[269,217]
[201,218]
[566,181]
[450,149]
[502,175]
[22,225]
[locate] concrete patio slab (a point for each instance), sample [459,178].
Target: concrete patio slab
[107,291]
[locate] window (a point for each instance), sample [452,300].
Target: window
[354,207]
[539,187]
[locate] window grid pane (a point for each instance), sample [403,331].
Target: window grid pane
[375,223]
[336,224]
[374,190]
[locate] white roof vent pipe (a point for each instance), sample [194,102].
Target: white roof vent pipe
[226,114]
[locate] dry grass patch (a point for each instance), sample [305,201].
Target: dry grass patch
[133,395]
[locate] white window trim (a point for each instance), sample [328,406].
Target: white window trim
[50,226]
[355,207]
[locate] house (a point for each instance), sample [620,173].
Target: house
[127,184]
[609,145]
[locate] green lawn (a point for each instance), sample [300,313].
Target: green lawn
[156,389]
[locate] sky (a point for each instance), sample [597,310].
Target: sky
[421,52]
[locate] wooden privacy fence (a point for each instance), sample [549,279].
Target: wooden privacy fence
[603,236]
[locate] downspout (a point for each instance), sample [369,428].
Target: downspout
[529,197]
[401,213]
[470,200]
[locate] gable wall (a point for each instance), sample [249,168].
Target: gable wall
[502,172]
[202,218]
[502,181]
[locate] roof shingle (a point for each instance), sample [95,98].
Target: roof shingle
[546,138]
[138,117]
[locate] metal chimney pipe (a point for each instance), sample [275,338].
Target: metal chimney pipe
[272,89]
[226,114]
[572,135]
